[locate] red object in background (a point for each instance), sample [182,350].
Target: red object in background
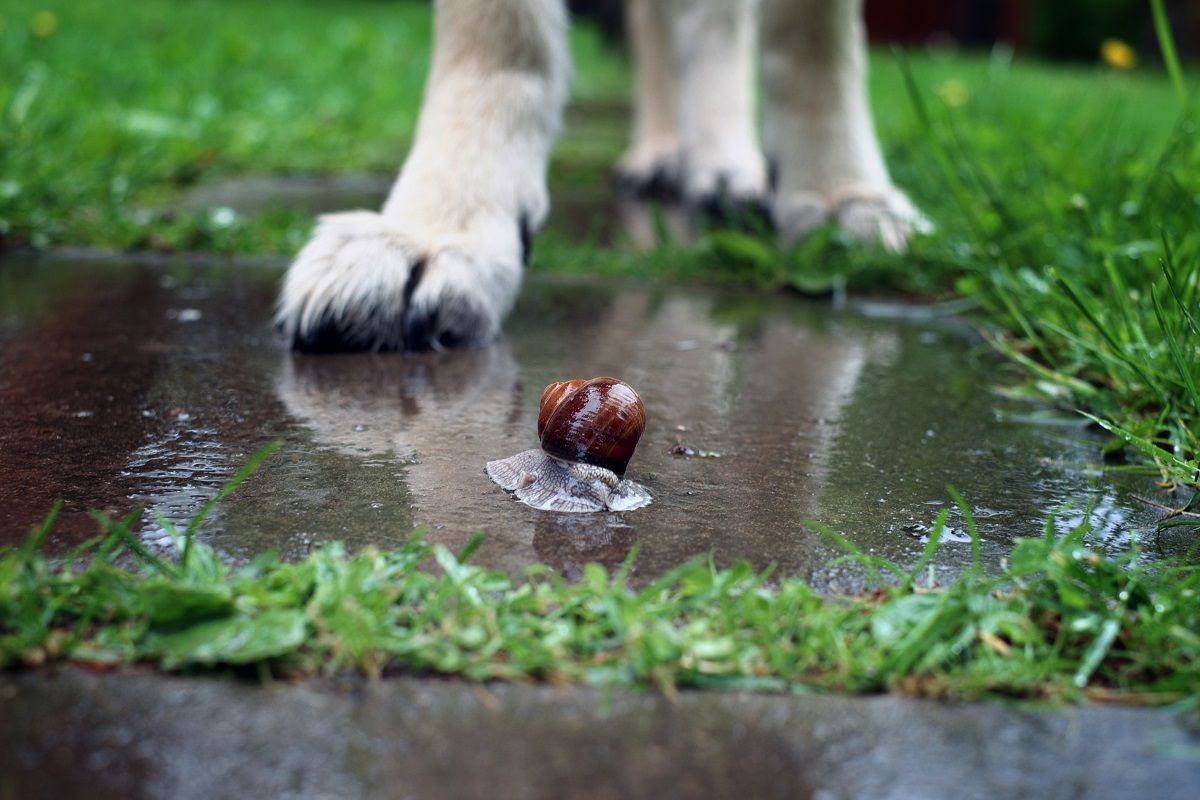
[972,23]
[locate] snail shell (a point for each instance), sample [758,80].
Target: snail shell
[596,422]
[588,430]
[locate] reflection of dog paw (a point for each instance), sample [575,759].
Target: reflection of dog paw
[650,169]
[363,282]
[880,215]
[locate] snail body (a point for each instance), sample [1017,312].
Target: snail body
[589,430]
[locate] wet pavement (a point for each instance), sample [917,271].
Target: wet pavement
[148,383]
[126,384]
[144,736]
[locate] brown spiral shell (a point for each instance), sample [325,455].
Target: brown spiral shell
[552,396]
[597,421]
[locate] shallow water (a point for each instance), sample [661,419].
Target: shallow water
[126,385]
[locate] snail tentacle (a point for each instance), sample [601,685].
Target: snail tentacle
[509,473]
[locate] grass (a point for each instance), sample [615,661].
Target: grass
[107,118]
[1060,622]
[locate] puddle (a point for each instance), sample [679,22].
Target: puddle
[125,385]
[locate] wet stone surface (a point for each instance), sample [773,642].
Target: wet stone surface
[132,736]
[125,385]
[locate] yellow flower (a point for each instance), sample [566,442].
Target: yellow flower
[44,24]
[1117,54]
[954,93]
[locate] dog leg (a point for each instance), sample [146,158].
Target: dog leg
[713,44]
[651,165]
[818,127]
[441,264]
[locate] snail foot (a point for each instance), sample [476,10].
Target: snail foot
[548,484]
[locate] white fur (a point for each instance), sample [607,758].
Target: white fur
[694,120]
[655,153]
[714,43]
[441,264]
[818,126]
[476,174]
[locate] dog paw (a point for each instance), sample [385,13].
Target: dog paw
[717,181]
[870,214]
[365,283]
[650,170]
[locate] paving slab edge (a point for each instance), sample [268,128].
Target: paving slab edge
[131,733]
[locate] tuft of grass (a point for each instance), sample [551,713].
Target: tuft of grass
[1059,623]
[108,119]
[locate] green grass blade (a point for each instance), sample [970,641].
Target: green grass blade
[972,531]
[1166,43]
[1168,269]
[1185,370]
[855,555]
[931,547]
[965,200]
[120,529]
[1076,296]
[1098,650]
[470,547]
[33,542]
[627,565]
[1148,448]
[241,475]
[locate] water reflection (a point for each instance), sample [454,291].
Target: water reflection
[568,542]
[801,412]
[759,393]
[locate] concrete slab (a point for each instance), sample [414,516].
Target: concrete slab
[129,736]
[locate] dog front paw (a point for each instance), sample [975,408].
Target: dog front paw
[725,183]
[650,170]
[364,283]
[871,214]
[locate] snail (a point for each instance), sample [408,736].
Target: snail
[588,430]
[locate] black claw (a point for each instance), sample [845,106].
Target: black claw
[420,329]
[443,326]
[772,174]
[451,321]
[526,238]
[749,214]
[427,328]
[373,329]
[324,337]
[660,185]
[448,340]
[376,331]
[414,277]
